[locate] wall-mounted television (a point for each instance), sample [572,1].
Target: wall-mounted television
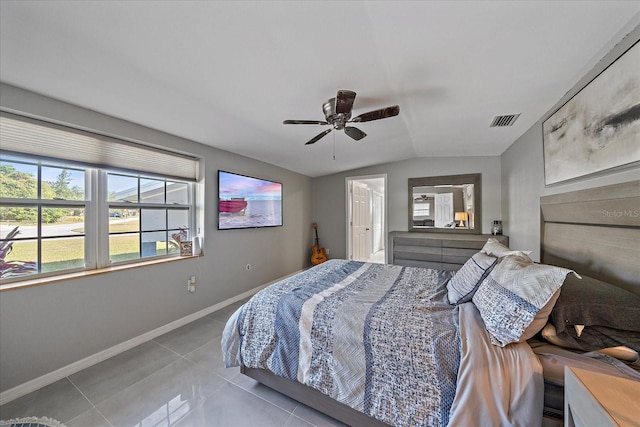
[247,202]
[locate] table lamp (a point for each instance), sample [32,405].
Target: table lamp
[462,217]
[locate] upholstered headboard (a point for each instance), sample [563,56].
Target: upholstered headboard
[596,232]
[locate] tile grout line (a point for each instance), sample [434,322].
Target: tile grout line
[197,348]
[291,414]
[301,419]
[138,382]
[184,356]
[180,356]
[274,404]
[93,406]
[267,401]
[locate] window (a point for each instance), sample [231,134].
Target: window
[59,215]
[42,218]
[147,216]
[422,208]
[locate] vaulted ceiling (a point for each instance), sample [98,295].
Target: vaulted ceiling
[227,74]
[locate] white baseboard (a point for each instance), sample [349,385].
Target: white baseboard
[37,383]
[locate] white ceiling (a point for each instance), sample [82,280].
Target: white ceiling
[227,74]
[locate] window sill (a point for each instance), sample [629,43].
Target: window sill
[64,277]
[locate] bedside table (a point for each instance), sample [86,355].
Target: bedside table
[595,399]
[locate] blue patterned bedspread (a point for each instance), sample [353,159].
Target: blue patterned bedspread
[381,339]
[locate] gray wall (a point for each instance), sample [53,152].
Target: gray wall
[329,194]
[523,167]
[47,327]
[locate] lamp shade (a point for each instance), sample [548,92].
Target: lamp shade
[461,216]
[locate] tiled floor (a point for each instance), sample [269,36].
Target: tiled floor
[176,379]
[378,257]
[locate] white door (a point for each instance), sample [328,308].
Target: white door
[359,218]
[443,209]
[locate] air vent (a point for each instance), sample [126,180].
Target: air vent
[502,121]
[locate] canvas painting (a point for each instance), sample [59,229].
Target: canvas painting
[599,128]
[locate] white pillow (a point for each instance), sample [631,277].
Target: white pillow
[464,283]
[515,292]
[496,249]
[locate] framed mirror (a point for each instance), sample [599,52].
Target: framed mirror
[446,204]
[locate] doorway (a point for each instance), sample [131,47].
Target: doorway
[367,218]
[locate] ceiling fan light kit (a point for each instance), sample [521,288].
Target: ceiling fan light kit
[337,112]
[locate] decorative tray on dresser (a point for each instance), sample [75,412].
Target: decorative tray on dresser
[443,251]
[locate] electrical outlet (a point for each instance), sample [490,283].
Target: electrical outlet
[326,251]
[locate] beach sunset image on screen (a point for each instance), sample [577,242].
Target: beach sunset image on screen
[247,202]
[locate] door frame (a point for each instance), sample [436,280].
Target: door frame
[377,209]
[348,180]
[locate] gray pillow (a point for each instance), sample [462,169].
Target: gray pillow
[591,302]
[594,338]
[610,315]
[464,283]
[613,342]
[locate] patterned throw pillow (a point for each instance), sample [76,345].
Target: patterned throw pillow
[496,249]
[513,294]
[464,283]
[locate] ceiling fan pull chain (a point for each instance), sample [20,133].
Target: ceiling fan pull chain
[334,146]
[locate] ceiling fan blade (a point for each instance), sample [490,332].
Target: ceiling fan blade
[304,122]
[318,136]
[344,101]
[382,113]
[354,133]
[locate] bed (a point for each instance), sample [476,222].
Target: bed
[383,340]
[595,232]
[374,344]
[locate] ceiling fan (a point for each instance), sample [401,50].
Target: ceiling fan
[337,112]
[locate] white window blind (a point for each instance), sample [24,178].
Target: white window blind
[37,138]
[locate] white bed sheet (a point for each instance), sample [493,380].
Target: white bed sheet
[554,359]
[497,386]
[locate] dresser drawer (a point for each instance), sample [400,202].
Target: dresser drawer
[444,251]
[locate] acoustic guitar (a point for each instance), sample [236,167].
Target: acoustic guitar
[317,256]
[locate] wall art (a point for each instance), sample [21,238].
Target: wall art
[599,128]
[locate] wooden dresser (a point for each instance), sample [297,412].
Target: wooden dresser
[443,251]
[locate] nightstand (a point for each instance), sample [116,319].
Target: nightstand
[595,399]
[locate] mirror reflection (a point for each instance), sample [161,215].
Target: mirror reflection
[445,203]
[443,206]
